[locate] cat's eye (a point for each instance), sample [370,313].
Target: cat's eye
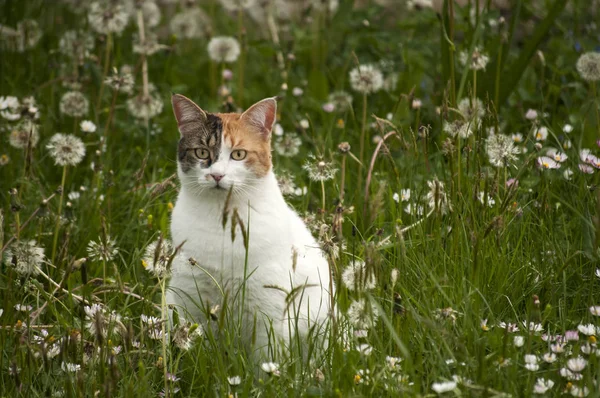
[238,154]
[202,153]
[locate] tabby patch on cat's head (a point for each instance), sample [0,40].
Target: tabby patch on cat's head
[220,150]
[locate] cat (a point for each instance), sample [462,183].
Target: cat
[224,163]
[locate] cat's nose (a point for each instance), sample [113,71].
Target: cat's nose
[217,177]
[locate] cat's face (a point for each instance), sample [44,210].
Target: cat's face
[223,151]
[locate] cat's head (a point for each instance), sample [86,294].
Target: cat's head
[218,151]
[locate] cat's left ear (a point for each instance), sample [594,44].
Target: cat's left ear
[262,116]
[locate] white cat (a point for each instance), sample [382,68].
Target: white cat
[224,163]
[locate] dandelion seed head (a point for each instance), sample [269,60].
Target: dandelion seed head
[191,23]
[318,169]
[108,17]
[366,79]
[66,149]
[145,107]
[288,145]
[26,257]
[76,44]
[25,134]
[478,60]
[501,150]
[74,104]
[157,256]
[223,49]
[102,250]
[588,66]
[341,100]
[362,315]
[357,277]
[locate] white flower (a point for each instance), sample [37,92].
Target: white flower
[544,162]
[579,391]
[510,327]
[531,362]
[588,330]
[405,194]
[26,257]
[518,341]
[558,348]
[597,273]
[588,66]
[595,310]
[66,149]
[542,385]
[99,320]
[517,138]
[549,357]
[556,155]
[540,134]
[364,349]
[270,367]
[234,380]
[396,197]
[443,387]
[490,201]
[87,126]
[531,114]
[223,49]
[304,124]
[23,307]
[297,91]
[533,327]
[416,103]
[567,174]
[366,79]
[567,374]
[567,128]
[478,60]
[277,130]
[70,367]
[576,364]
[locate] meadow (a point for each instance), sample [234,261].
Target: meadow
[445,154]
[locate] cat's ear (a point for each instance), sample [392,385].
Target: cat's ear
[262,116]
[190,117]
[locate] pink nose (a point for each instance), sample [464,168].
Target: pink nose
[217,177]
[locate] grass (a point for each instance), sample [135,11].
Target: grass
[525,253]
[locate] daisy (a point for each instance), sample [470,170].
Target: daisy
[545,162]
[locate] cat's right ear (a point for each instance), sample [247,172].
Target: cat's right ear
[190,117]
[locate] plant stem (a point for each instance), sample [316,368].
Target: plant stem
[363,130]
[104,73]
[59,212]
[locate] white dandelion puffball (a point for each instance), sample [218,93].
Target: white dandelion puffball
[108,17]
[588,66]
[26,257]
[223,49]
[74,104]
[366,79]
[66,149]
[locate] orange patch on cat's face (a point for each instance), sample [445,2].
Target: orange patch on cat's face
[240,135]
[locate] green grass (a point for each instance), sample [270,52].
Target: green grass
[531,256]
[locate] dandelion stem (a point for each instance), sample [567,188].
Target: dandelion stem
[362,130]
[241,59]
[323,196]
[163,306]
[58,213]
[343,179]
[104,72]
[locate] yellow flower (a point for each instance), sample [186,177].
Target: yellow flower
[170,206]
[357,379]
[144,264]
[340,123]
